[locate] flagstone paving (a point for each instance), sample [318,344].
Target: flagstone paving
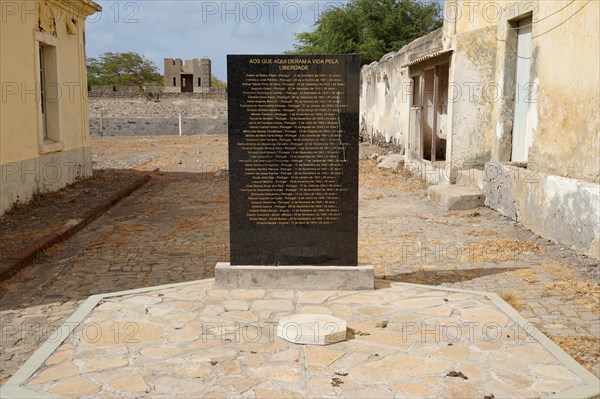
[404,341]
[175,229]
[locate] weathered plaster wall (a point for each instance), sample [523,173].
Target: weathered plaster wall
[565,101]
[386,94]
[559,198]
[471,108]
[557,195]
[386,91]
[199,68]
[566,45]
[20,144]
[558,208]
[172,69]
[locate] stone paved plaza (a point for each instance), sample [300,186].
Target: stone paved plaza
[404,341]
[175,229]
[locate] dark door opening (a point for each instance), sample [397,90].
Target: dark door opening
[187,83]
[428,122]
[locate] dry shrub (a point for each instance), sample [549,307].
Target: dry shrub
[466,214]
[480,232]
[585,349]
[371,177]
[197,223]
[580,292]
[584,292]
[123,231]
[443,222]
[527,275]
[515,301]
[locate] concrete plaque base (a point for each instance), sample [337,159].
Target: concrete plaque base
[229,277]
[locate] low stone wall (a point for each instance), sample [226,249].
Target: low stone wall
[156,126]
[561,209]
[165,108]
[139,117]
[118,91]
[153,92]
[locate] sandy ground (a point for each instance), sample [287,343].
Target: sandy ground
[193,154]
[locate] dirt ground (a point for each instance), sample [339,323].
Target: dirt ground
[188,154]
[117,163]
[27,222]
[176,228]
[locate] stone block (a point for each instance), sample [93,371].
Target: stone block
[392,161]
[294,277]
[455,198]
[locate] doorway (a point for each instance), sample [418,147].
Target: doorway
[187,83]
[522,134]
[429,110]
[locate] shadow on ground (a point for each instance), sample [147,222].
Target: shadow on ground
[436,277]
[173,229]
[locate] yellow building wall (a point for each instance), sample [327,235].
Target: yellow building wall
[565,75]
[556,194]
[566,48]
[24,161]
[18,114]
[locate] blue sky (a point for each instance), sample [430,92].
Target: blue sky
[189,29]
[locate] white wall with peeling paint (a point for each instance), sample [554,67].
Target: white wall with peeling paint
[564,149]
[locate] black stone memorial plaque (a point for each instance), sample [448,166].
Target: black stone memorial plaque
[293,159]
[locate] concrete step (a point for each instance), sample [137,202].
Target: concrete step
[470,177]
[455,197]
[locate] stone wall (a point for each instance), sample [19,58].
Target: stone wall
[140,117]
[154,92]
[119,91]
[165,108]
[561,209]
[156,126]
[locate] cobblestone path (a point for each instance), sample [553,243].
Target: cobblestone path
[175,229]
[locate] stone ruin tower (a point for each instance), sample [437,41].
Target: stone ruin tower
[193,76]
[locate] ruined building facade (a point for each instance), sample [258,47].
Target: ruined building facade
[193,76]
[506,94]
